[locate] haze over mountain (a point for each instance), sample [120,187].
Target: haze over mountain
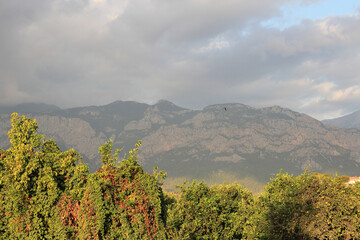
[223,142]
[29,108]
[348,121]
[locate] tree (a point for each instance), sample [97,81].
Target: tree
[121,201]
[218,212]
[46,193]
[34,174]
[310,206]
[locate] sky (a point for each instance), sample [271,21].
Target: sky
[298,54]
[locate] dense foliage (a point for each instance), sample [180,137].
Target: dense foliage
[34,175]
[218,212]
[311,206]
[46,193]
[49,194]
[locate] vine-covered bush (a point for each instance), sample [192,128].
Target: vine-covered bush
[49,194]
[34,174]
[122,201]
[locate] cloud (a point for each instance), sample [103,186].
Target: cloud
[193,52]
[351,93]
[216,44]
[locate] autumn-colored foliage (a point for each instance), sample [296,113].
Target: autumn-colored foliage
[122,201]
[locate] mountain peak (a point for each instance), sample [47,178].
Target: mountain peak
[164,101]
[228,106]
[166,105]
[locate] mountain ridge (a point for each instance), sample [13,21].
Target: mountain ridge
[29,108]
[219,141]
[351,120]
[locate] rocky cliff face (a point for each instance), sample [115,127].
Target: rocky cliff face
[253,141]
[228,139]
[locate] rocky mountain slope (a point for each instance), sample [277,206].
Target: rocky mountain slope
[224,142]
[348,121]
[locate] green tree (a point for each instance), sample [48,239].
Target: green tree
[334,209]
[49,194]
[218,212]
[34,175]
[310,206]
[121,201]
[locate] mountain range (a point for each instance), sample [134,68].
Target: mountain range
[223,142]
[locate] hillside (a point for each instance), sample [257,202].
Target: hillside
[224,142]
[348,121]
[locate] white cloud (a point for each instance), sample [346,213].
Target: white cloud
[350,93]
[216,44]
[325,87]
[98,1]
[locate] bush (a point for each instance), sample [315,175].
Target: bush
[49,194]
[218,212]
[34,175]
[311,206]
[121,202]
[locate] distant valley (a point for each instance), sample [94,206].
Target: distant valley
[224,142]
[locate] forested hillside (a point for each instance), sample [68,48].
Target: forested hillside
[46,193]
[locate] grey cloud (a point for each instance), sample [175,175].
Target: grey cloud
[190,20]
[192,52]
